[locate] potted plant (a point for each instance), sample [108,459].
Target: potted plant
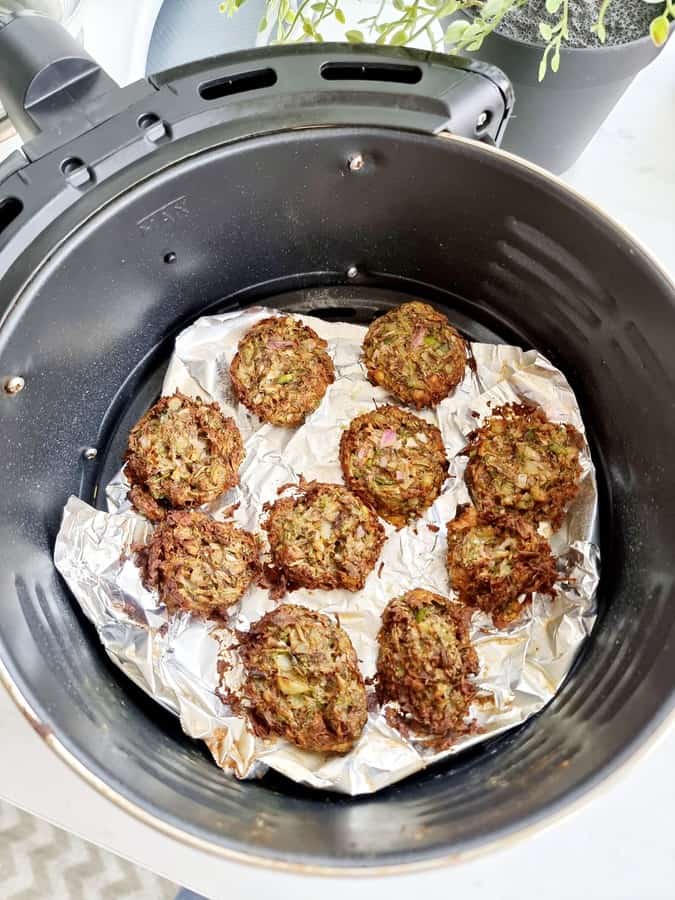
[569,60]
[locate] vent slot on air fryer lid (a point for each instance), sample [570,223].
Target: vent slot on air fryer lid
[10,207]
[238,83]
[396,73]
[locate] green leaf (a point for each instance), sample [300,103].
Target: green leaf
[555,60]
[448,9]
[473,32]
[545,31]
[340,16]
[399,38]
[262,25]
[601,31]
[318,7]
[552,6]
[542,68]
[455,31]
[658,29]
[307,28]
[355,37]
[399,5]
[493,8]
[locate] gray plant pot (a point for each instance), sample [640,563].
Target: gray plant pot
[187,30]
[554,120]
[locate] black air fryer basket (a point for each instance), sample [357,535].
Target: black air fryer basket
[337,180]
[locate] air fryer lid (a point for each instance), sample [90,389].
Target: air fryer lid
[339,197]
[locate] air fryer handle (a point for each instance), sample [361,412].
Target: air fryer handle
[47,81]
[352,84]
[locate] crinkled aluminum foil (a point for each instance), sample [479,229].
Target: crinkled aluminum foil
[175,659]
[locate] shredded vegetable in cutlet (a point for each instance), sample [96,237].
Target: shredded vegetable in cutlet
[415,353]
[324,538]
[521,464]
[395,461]
[491,565]
[281,370]
[424,663]
[303,681]
[198,564]
[181,454]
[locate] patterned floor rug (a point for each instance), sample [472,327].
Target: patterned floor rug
[41,862]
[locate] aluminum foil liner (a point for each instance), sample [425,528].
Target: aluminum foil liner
[175,658]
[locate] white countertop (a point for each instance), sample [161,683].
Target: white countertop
[620,844]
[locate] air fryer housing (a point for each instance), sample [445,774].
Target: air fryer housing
[231,181]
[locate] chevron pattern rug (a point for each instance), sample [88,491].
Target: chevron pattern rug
[41,862]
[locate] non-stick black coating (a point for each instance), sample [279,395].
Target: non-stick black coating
[442,219]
